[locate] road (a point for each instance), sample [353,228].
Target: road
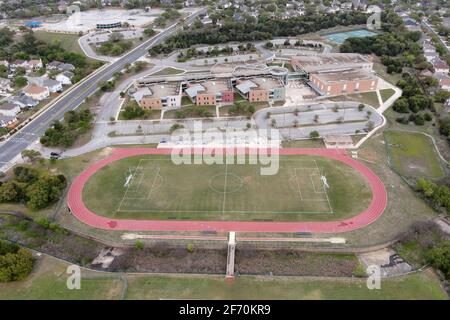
[12,148]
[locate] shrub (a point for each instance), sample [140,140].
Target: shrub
[138,245]
[190,247]
[360,271]
[16,265]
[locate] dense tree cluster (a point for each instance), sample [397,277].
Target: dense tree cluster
[437,195]
[261,30]
[64,134]
[36,188]
[413,100]
[214,52]
[115,46]
[429,244]
[15,263]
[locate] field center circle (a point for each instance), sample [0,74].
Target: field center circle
[226,183]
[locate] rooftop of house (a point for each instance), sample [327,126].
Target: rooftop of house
[312,63]
[34,89]
[6,119]
[8,106]
[350,75]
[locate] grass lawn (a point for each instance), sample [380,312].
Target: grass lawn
[192,111]
[224,110]
[48,282]
[69,42]
[413,155]
[307,143]
[369,98]
[417,286]
[381,70]
[160,189]
[167,72]
[386,94]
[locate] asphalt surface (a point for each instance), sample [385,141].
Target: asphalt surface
[11,148]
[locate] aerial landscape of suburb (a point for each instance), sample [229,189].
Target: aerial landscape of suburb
[224,150]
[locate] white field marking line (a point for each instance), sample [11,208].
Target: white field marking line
[140,180]
[323,187]
[313,184]
[128,187]
[310,199]
[298,184]
[227,211]
[153,182]
[225,187]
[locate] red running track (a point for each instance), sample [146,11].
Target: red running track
[372,213]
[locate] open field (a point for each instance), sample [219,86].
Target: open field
[413,155]
[369,98]
[386,94]
[158,189]
[417,286]
[69,42]
[48,281]
[167,72]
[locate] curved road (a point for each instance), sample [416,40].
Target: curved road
[12,147]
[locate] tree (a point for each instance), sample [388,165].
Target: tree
[30,154]
[314,134]
[269,45]
[16,266]
[149,32]
[439,258]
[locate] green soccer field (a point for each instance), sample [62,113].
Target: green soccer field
[305,188]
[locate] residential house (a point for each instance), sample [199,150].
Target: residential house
[440,66]
[444,81]
[7,121]
[60,66]
[18,63]
[447,105]
[65,77]
[36,92]
[31,65]
[35,64]
[9,109]
[53,86]
[5,86]
[24,102]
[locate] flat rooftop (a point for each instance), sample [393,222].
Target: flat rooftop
[344,76]
[158,90]
[213,86]
[266,83]
[317,62]
[88,20]
[164,89]
[208,87]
